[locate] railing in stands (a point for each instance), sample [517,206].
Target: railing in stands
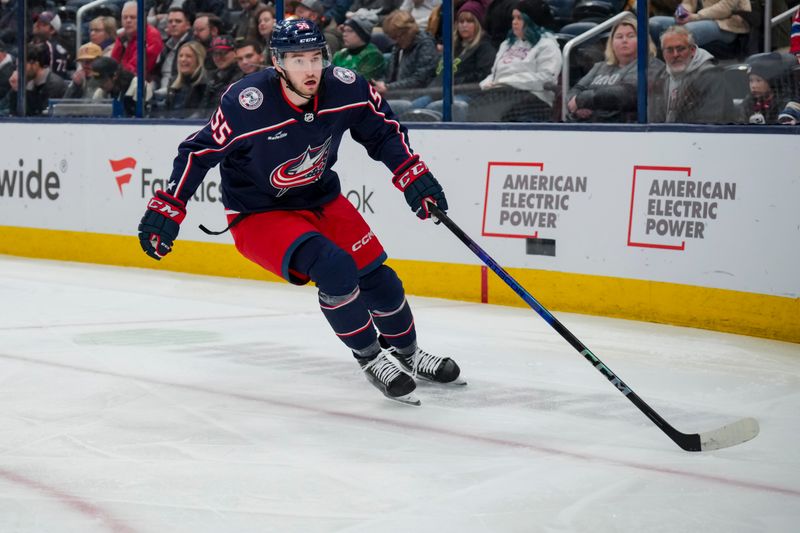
[572,43]
[770,23]
[79,18]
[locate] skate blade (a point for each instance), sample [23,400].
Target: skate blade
[408,399]
[458,382]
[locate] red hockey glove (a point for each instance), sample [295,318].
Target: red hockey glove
[160,224]
[419,185]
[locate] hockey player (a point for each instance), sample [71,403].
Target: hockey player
[276,135]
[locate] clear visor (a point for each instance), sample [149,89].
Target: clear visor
[303,61]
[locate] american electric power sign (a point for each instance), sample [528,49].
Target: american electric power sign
[667,205]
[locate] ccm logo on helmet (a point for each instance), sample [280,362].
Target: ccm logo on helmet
[363,242]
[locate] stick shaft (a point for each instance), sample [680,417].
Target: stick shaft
[689,442]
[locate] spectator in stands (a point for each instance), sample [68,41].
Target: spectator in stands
[103,33]
[473,57]
[250,57]
[45,30]
[218,8]
[794,46]
[41,84]
[82,77]
[379,9]
[124,51]
[790,115]
[266,22]
[420,10]
[226,71]
[498,20]
[765,101]
[206,27]
[414,57]
[7,66]
[335,10]
[246,26]
[692,89]
[715,22]
[179,31]
[187,93]
[314,10]
[521,85]
[359,54]
[113,82]
[608,93]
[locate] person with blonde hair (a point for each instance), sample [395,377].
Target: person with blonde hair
[608,92]
[413,60]
[103,33]
[185,94]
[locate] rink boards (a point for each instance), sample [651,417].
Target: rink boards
[697,229]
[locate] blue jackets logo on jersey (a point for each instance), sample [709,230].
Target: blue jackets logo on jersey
[301,170]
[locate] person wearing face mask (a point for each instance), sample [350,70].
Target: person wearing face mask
[608,92]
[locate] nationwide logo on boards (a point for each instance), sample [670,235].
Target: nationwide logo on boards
[37,181]
[669,206]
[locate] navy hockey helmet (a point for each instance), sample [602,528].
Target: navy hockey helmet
[297,35]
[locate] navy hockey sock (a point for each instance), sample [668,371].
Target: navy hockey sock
[336,276]
[382,292]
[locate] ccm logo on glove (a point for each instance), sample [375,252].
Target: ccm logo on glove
[160,224]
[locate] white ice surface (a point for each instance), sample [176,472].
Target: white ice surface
[141,401]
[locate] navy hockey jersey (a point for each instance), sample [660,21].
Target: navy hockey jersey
[275,155]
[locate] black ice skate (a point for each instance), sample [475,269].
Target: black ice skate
[390,380]
[429,367]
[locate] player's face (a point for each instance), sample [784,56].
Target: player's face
[304,70]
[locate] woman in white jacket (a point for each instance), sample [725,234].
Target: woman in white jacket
[520,87]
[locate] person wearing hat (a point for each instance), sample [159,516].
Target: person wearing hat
[359,54]
[45,30]
[519,87]
[77,87]
[223,53]
[314,10]
[764,103]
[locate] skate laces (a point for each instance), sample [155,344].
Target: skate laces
[425,363]
[382,369]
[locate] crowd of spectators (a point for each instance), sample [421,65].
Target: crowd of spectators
[507,58]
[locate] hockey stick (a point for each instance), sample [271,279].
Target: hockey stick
[730,435]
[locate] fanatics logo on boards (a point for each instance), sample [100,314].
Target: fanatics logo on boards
[126,166]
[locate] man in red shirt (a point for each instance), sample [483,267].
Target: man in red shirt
[124,50]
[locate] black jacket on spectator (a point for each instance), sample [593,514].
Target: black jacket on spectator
[469,66]
[37,100]
[188,100]
[417,66]
[218,82]
[5,73]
